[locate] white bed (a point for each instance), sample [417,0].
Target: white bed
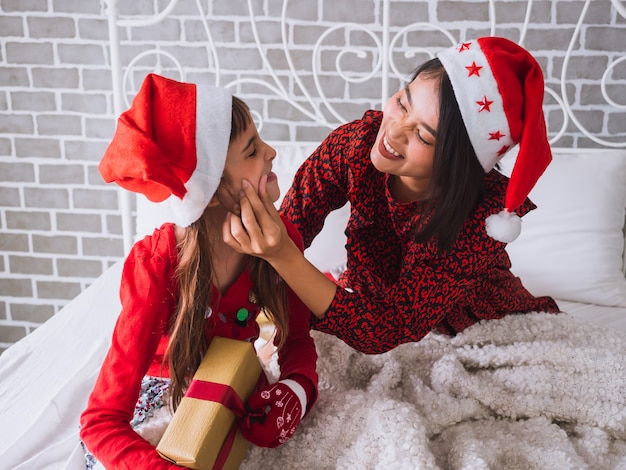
[524,392]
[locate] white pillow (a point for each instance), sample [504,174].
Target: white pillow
[572,246]
[327,250]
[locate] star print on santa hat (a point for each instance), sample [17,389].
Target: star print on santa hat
[171,145]
[499,88]
[497,135]
[484,104]
[473,69]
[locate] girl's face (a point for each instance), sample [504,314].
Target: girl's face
[249,158]
[405,144]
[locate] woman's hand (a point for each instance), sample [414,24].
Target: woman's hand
[259,230]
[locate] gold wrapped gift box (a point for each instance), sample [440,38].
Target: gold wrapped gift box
[200,426]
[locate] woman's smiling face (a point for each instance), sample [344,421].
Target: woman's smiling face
[405,144]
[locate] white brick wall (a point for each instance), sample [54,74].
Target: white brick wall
[60,225]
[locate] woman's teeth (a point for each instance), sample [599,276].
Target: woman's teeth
[390,149]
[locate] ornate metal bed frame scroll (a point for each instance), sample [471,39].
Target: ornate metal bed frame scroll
[390,44]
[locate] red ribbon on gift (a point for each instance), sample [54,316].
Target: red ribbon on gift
[225,395]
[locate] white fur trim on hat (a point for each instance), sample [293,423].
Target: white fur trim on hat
[213,125]
[480,102]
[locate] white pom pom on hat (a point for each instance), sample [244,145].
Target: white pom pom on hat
[171,145]
[499,87]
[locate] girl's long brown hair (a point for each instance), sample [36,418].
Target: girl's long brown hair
[188,342]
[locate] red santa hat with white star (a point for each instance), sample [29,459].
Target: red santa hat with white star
[171,145]
[499,87]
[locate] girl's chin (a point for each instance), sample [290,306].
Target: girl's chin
[273,190]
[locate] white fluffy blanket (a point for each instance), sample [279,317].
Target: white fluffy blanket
[534,391]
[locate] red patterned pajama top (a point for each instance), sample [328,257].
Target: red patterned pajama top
[395,290]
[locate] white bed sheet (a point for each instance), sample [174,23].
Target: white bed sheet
[46,378]
[610,317]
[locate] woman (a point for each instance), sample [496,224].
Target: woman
[427,231]
[189,145]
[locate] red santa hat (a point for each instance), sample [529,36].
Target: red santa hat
[499,88]
[171,145]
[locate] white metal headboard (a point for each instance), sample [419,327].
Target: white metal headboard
[383,47]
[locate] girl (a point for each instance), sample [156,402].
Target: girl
[427,231]
[189,146]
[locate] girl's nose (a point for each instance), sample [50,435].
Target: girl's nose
[271,152]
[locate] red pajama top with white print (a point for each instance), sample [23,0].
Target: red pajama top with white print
[394,290]
[149,296]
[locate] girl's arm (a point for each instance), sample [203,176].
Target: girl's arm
[259,231]
[105,423]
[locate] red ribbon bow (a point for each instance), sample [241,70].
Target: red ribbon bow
[225,395]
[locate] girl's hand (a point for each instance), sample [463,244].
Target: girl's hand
[258,231]
[274,413]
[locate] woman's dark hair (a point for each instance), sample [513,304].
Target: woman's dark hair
[457,181]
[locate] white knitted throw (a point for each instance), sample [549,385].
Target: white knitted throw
[533,391]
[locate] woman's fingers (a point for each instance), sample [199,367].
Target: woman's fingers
[265,197]
[258,230]
[244,234]
[262,213]
[227,198]
[251,219]
[263,210]
[261,220]
[234,233]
